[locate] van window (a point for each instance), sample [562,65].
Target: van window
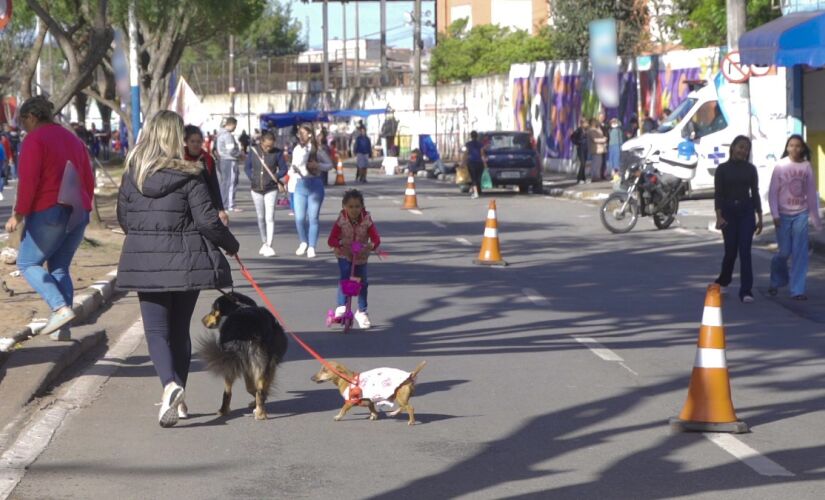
[670,121]
[707,120]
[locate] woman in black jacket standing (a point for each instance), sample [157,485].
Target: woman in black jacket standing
[738,214]
[171,249]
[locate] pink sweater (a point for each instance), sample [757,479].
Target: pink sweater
[792,190]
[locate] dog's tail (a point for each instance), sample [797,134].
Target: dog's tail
[224,363]
[417,369]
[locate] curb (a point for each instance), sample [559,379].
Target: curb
[83,306]
[577,195]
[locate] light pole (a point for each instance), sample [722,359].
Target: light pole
[417,55]
[344,16]
[326,47]
[133,72]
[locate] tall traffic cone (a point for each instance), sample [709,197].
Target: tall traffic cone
[489,254]
[410,199]
[339,178]
[709,407]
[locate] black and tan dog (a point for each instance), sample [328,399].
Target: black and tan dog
[250,343]
[378,386]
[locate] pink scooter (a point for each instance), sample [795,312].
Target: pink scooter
[351,288]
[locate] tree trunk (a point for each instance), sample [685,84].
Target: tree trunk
[80,102]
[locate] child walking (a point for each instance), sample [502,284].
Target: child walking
[354,224]
[793,199]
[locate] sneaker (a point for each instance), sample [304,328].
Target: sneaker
[340,310]
[183,411]
[172,397]
[474,196]
[311,253]
[363,320]
[263,249]
[58,318]
[747,299]
[61,335]
[267,251]
[302,248]
[1,197]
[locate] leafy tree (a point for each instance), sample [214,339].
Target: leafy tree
[274,33]
[486,49]
[703,23]
[571,18]
[16,42]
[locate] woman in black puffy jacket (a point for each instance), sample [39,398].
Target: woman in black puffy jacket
[171,250]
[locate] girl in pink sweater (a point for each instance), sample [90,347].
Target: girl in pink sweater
[794,203]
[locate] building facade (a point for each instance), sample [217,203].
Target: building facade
[528,15]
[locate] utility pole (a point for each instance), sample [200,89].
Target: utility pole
[133,72]
[737,15]
[37,80]
[326,48]
[357,49]
[383,42]
[417,55]
[231,75]
[344,16]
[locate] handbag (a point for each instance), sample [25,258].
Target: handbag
[486,179]
[71,195]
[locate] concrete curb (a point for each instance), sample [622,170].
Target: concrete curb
[84,306]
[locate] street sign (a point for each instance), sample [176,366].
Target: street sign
[5,13]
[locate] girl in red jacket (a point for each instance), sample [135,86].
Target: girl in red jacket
[354,224]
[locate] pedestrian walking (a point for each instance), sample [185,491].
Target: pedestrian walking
[265,168]
[614,147]
[354,225]
[579,139]
[736,200]
[309,190]
[596,147]
[194,151]
[475,159]
[229,154]
[171,250]
[363,152]
[54,196]
[4,170]
[793,200]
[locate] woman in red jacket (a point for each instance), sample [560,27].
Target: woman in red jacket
[56,212]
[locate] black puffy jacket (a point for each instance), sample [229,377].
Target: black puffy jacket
[172,233]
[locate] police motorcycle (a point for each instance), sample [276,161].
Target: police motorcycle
[650,191]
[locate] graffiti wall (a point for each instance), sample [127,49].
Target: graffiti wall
[548,98]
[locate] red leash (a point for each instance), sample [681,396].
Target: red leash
[355,391]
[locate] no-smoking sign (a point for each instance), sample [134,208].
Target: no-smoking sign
[735,72]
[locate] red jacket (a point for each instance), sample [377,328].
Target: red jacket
[43,156]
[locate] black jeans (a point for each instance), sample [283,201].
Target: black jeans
[581,152]
[166,317]
[738,235]
[476,169]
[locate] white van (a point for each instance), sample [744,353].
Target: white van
[698,117]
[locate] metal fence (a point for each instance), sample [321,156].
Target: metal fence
[287,73]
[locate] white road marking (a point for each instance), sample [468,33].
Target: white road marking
[38,434]
[416,212]
[598,349]
[535,297]
[682,230]
[439,224]
[750,457]
[397,202]
[464,241]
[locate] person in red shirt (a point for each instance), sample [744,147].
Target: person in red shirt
[354,225]
[54,196]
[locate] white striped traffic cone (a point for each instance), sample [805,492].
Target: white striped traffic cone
[490,254]
[410,199]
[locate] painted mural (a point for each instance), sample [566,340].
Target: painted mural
[548,98]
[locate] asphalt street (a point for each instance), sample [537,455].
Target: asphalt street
[553,377]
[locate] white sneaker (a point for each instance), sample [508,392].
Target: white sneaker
[172,397]
[1,196]
[302,248]
[747,299]
[363,320]
[340,310]
[267,251]
[311,253]
[262,250]
[183,411]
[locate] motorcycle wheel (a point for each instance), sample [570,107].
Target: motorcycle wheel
[615,219]
[665,218]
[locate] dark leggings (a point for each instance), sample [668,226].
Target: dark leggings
[738,236]
[476,169]
[166,317]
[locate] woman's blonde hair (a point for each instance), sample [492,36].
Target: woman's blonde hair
[161,139]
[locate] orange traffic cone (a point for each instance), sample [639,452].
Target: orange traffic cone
[489,254]
[339,178]
[410,199]
[709,407]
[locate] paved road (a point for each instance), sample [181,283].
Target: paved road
[551,378]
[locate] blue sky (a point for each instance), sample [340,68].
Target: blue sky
[398,33]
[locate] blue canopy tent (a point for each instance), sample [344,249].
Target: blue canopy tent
[797,38]
[281,120]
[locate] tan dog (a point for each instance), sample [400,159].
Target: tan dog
[381,385]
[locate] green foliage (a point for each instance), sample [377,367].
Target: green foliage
[703,23]
[484,50]
[571,35]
